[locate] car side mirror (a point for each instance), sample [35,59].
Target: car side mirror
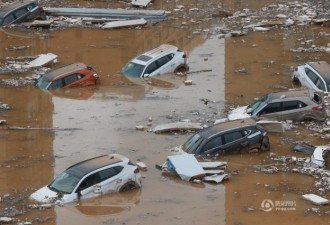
[146,75]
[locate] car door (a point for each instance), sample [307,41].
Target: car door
[165,64]
[212,146]
[234,142]
[73,80]
[270,111]
[111,179]
[150,70]
[89,187]
[293,110]
[20,15]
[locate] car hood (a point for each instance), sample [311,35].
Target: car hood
[238,113]
[44,195]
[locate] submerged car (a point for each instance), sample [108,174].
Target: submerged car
[238,136]
[287,105]
[91,178]
[313,75]
[163,59]
[321,157]
[21,12]
[77,74]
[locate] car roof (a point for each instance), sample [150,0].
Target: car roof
[5,10]
[85,167]
[64,70]
[220,127]
[145,57]
[289,94]
[323,68]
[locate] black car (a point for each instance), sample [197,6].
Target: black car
[238,136]
[21,12]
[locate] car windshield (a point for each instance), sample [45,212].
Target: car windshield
[64,183]
[133,70]
[42,82]
[258,104]
[192,144]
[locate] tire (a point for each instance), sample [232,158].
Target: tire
[181,69]
[128,186]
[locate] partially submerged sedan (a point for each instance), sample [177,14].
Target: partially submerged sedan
[287,105]
[77,74]
[163,59]
[91,178]
[239,136]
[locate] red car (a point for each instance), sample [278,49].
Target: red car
[77,74]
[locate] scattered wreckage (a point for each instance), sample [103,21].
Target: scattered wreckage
[91,178]
[188,168]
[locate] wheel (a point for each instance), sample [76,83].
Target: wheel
[295,79]
[181,69]
[128,186]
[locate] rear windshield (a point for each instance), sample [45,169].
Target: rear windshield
[132,70]
[192,144]
[317,98]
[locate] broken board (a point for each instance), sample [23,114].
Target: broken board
[317,200]
[186,166]
[272,126]
[124,23]
[42,60]
[178,126]
[216,178]
[212,165]
[140,3]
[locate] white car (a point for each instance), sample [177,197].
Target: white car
[317,159]
[313,75]
[161,60]
[91,178]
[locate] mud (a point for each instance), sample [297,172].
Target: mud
[54,130]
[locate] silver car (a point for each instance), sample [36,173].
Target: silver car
[288,105]
[313,75]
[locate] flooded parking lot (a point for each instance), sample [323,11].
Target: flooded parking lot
[46,132]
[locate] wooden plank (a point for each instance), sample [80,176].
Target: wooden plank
[124,23]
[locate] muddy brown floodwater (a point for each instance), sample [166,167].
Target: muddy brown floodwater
[77,124]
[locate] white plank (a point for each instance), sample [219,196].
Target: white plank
[124,23]
[142,3]
[272,126]
[317,200]
[212,165]
[186,166]
[42,60]
[216,178]
[212,172]
[178,126]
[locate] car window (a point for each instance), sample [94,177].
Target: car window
[72,78]
[8,19]
[88,181]
[163,60]
[110,172]
[56,84]
[151,68]
[317,98]
[320,84]
[192,144]
[258,104]
[20,12]
[233,136]
[290,105]
[213,143]
[271,108]
[312,76]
